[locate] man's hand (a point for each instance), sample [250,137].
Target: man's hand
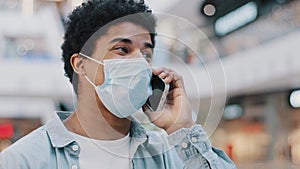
[177,112]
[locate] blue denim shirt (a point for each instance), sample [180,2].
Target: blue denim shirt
[53,147]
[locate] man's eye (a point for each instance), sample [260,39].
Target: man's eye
[147,56]
[121,49]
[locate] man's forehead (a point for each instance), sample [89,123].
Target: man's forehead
[127,30]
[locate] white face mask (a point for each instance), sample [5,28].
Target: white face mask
[126,86]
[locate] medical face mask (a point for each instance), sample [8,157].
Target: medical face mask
[126,87]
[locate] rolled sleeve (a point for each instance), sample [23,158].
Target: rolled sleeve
[193,146]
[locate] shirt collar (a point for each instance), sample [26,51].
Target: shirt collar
[60,136]
[58,133]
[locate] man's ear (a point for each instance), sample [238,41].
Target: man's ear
[77,63]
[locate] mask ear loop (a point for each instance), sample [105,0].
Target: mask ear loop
[91,58]
[90,81]
[94,61]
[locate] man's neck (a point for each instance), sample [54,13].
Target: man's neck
[96,124]
[92,119]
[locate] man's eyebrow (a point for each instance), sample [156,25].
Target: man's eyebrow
[148,45]
[125,40]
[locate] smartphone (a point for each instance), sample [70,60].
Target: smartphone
[160,90]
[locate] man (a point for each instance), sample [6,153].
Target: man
[107,52]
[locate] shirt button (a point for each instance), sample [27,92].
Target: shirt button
[75,147]
[74,167]
[184,145]
[194,139]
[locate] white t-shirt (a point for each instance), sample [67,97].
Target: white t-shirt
[104,154]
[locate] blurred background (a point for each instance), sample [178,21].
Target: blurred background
[254,42]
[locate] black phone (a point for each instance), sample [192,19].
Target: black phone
[160,90]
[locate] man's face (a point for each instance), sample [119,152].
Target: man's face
[123,40]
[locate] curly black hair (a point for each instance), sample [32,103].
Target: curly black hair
[89,17]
